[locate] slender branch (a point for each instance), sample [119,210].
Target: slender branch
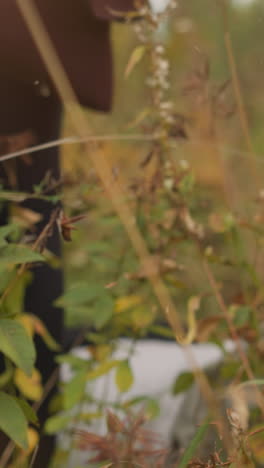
[232,329]
[140,137]
[74,139]
[34,455]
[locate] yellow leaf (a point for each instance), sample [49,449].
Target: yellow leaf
[193,306]
[139,118]
[33,325]
[134,59]
[126,302]
[30,387]
[87,417]
[100,352]
[124,376]
[33,440]
[41,330]
[26,321]
[102,369]
[142,317]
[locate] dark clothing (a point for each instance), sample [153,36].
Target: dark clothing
[80,32]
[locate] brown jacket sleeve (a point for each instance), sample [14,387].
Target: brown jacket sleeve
[80,32]
[105,9]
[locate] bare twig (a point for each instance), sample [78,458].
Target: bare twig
[232,330]
[140,137]
[33,458]
[74,139]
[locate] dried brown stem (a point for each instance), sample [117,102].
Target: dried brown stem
[232,330]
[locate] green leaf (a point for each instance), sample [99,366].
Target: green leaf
[187,183]
[102,369]
[13,254]
[82,293]
[134,401]
[136,56]
[42,331]
[16,344]
[6,276]
[6,231]
[139,117]
[57,423]
[14,302]
[229,369]
[183,382]
[98,313]
[74,390]
[162,331]
[124,376]
[56,404]
[13,421]
[75,362]
[88,417]
[6,376]
[152,408]
[97,338]
[103,311]
[196,441]
[142,317]
[28,411]
[98,247]
[90,301]
[242,315]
